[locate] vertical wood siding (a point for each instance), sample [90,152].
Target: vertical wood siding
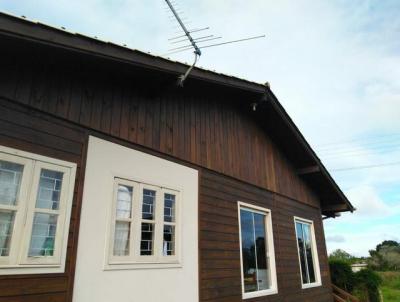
[208,129]
[51,108]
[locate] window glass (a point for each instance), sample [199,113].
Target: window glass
[169,207]
[124,201]
[255,265]
[121,238]
[10,181]
[146,243]
[300,243]
[308,250]
[151,231]
[148,207]
[262,266]
[123,215]
[36,195]
[169,240]
[43,235]
[6,226]
[305,246]
[49,190]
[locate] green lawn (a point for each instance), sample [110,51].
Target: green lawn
[391,286]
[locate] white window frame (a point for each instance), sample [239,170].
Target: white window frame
[18,261]
[270,250]
[314,252]
[134,260]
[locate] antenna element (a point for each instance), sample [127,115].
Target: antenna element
[193,41]
[197,51]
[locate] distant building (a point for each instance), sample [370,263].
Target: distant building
[356,267]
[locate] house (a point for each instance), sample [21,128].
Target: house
[117,185]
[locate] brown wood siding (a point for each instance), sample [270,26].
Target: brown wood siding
[206,128]
[52,106]
[220,278]
[26,129]
[219,263]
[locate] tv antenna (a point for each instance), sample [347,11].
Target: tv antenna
[194,41]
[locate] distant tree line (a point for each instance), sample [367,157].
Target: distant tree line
[365,283]
[386,256]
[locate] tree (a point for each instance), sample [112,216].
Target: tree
[386,256]
[341,255]
[387,243]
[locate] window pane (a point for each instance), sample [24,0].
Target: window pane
[124,201]
[248,251]
[169,240]
[49,190]
[300,243]
[263,272]
[6,227]
[146,243]
[121,238]
[149,198]
[310,262]
[169,208]
[10,181]
[43,235]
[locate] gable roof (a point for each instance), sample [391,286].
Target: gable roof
[282,129]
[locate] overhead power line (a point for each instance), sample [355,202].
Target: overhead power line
[361,145]
[352,150]
[366,167]
[359,153]
[366,139]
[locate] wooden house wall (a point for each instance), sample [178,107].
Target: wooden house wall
[220,278]
[219,258]
[50,107]
[28,130]
[206,127]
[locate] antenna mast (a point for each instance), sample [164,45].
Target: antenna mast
[197,51]
[194,41]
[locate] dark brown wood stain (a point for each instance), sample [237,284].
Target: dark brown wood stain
[51,107]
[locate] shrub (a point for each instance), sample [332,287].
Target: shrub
[366,284]
[341,274]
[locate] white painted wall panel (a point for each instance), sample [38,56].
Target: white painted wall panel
[93,282]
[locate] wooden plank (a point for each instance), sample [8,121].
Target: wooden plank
[33,131]
[116,111]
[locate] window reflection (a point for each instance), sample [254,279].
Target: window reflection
[304,242]
[256,272]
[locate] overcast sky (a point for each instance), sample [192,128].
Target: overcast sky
[334,65]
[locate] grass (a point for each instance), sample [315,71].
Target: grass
[391,286]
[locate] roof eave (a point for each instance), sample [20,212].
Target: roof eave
[44,34]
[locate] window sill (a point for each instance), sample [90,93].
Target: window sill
[311,285]
[260,293]
[138,265]
[31,269]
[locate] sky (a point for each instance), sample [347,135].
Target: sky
[334,65]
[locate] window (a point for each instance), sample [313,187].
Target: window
[256,251]
[35,203]
[308,257]
[144,224]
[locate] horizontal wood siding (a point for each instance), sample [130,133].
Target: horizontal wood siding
[220,278]
[204,126]
[54,102]
[26,129]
